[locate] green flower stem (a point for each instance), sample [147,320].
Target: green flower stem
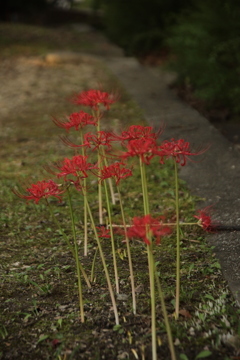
[146,210]
[68,242]
[145,195]
[84,205]
[153,301]
[100,202]
[104,266]
[150,260]
[145,188]
[161,296]
[128,252]
[112,237]
[93,265]
[178,242]
[77,258]
[109,181]
[111,191]
[167,224]
[85,221]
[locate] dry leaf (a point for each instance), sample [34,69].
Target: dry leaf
[185,313]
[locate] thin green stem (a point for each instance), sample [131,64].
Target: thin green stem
[153,301]
[84,204]
[93,265]
[167,224]
[100,202]
[161,296]
[178,242]
[112,237]
[109,181]
[146,210]
[145,206]
[145,188]
[128,252]
[68,243]
[104,266]
[76,257]
[150,260]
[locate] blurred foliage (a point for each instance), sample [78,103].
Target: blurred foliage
[23,5]
[203,37]
[205,42]
[138,25]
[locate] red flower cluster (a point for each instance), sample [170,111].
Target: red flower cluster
[103,232]
[93,98]
[146,226]
[136,132]
[177,149]
[78,120]
[93,141]
[102,138]
[77,166]
[143,148]
[204,220]
[42,189]
[116,170]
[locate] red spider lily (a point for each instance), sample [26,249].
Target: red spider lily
[204,219]
[139,132]
[116,170]
[103,232]
[144,226]
[93,98]
[93,141]
[178,149]
[78,120]
[42,189]
[143,148]
[77,166]
[102,138]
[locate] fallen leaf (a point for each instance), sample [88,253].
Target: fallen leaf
[123,355]
[185,313]
[122,297]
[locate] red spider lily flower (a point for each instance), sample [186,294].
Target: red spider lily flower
[93,98]
[78,120]
[116,170]
[143,148]
[77,166]
[204,220]
[177,149]
[103,232]
[136,132]
[42,189]
[77,184]
[101,138]
[93,141]
[144,226]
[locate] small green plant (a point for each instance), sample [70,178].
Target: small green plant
[202,355]
[3,332]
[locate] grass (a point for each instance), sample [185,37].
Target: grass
[39,302]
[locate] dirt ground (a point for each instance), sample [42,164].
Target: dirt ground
[35,80]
